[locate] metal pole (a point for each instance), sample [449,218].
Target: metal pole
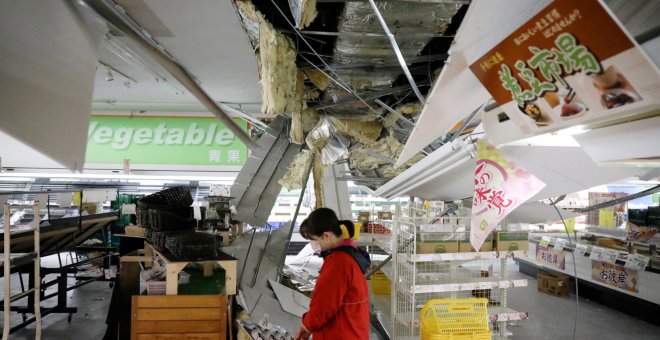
[295,216]
[37,271]
[7,272]
[397,52]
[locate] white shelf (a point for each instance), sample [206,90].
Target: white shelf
[455,287]
[486,255]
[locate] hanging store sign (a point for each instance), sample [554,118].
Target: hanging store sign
[163,140]
[500,186]
[570,64]
[550,258]
[615,275]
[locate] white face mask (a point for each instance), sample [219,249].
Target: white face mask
[316,246]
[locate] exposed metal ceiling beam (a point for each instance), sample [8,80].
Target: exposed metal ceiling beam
[397,52]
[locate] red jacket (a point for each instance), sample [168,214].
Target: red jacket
[340,302]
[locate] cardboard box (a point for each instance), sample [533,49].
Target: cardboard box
[511,240]
[466,246]
[437,247]
[552,284]
[439,243]
[364,217]
[384,215]
[134,230]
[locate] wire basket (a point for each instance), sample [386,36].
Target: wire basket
[172,197]
[455,319]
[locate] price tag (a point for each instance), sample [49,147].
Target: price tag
[637,261]
[545,241]
[560,244]
[610,256]
[580,249]
[597,253]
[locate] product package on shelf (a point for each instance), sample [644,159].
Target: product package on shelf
[511,240]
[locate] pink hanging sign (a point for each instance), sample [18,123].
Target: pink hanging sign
[500,186]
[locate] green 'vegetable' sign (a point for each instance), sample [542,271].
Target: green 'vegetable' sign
[164,140]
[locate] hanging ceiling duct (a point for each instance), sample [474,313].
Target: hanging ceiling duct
[362,46]
[256,188]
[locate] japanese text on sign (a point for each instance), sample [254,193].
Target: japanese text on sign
[550,258]
[567,58]
[615,275]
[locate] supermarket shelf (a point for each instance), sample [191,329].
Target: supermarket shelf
[383,241]
[455,287]
[464,256]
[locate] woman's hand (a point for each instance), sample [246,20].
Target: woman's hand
[302,334]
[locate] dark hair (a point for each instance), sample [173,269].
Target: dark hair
[322,220]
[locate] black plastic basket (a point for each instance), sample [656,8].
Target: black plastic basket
[172,197]
[142,216]
[193,246]
[171,219]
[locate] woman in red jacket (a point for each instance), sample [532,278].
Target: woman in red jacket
[340,302]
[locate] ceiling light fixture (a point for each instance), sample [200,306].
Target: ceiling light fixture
[125,53]
[108,74]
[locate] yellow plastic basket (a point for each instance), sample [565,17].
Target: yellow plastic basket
[455,319]
[380,284]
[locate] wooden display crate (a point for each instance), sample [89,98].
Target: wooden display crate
[202,317]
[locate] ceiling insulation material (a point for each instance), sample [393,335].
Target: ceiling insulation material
[381,155]
[281,82]
[256,188]
[304,12]
[360,130]
[410,108]
[295,177]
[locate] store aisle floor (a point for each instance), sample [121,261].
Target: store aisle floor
[550,317]
[553,318]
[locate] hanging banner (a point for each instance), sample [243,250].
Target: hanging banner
[550,258]
[500,186]
[570,64]
[615,275]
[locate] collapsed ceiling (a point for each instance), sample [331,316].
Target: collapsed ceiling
[332,62]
